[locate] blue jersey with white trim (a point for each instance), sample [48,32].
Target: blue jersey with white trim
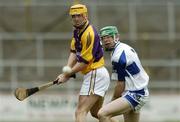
[127,67]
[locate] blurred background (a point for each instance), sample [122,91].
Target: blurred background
[35,36]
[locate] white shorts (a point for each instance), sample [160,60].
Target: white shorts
[137,99]
[95,82]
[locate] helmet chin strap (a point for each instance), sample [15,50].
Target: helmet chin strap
[115,39]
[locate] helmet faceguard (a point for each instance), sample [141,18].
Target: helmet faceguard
[110,31]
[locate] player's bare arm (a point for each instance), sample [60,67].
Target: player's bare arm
[79,66]
[119,88]
[72,60]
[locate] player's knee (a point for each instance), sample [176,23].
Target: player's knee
[102,113]
[80,113]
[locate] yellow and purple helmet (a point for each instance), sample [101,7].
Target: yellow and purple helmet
[78,9]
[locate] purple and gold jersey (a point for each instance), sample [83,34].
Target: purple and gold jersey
[87,47]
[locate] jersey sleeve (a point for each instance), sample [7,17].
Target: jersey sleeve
[72,48]
[132,62]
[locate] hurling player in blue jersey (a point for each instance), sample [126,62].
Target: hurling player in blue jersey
[131,92]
